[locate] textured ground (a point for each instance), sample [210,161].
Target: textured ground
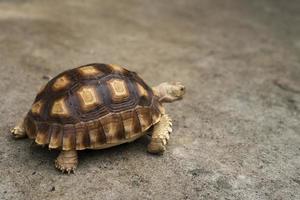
[236,133]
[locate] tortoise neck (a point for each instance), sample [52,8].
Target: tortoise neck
[159,92]
[156,91]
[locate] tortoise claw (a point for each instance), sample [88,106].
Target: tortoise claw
[18,132]
[65,168]
[67,161]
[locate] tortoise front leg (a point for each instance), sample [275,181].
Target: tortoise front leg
[160,135]
[19,131]
[67,161]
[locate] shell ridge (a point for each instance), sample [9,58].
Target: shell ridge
[55,136]
[137,120]
[101,130]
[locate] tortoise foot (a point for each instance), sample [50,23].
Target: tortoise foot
[18,131]
[67,161]
[160,135]
[157,146]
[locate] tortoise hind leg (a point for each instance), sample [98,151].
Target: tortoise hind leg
[67,161]
[160,135]
[19,131]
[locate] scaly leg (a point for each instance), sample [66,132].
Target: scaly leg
[19,131]
[67,161]
[160,135]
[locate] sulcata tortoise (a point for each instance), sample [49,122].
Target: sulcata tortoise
[97,106]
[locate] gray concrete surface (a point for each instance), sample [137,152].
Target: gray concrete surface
[236,133]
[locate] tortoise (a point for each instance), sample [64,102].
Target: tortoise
[97,106]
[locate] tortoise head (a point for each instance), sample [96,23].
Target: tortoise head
[169,91]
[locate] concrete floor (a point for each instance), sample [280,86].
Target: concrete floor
[236,133]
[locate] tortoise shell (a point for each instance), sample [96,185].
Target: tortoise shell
[92,107]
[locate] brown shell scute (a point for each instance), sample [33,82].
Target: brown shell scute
[56,136]
[118,90]
[61,82]
[36,107]
[59,108]
[89,70]
[89,99]
[92,106]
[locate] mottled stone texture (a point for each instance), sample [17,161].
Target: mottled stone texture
[237,132]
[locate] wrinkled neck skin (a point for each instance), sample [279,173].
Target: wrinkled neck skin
[158,93]
[161,91]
